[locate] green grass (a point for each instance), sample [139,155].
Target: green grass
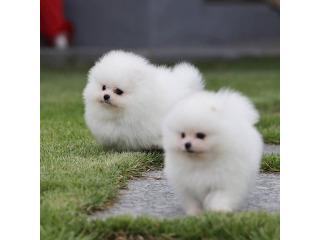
[270,163]
[243,225]
[78,177]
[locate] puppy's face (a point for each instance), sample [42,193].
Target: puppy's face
[113,95]
[116,82]
[194,127]
[191,141]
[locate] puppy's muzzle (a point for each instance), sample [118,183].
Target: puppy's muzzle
[188,147]
[106,98]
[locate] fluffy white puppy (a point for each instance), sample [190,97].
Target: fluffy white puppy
[126,99]
[212,150]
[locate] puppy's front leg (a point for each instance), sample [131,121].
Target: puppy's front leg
[191,205]
[220,201]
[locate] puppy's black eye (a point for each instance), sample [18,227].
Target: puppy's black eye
[104,87]
[183,135]
[118,91]
[201,135]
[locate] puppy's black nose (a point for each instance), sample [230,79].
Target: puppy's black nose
[106,97]
[188,145]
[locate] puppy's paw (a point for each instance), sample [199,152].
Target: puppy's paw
[193,210]
[219,201]
[191,206]
[220,208]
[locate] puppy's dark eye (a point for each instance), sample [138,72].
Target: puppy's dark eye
[201,135]
[104,87]
[183,135]
[118,91]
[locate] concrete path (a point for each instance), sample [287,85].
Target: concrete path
[268,148]
[152,195]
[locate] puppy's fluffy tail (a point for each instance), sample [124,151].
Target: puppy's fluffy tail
[189,75]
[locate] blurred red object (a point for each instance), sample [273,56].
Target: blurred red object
[53,24]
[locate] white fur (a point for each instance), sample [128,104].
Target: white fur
[133,120]
[223,166]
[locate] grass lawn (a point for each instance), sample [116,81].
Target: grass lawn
[78,177]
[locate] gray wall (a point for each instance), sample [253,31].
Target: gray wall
[169,23]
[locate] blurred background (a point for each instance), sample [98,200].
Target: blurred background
[80,31]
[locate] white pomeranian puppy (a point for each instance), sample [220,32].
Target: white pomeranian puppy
[212,150]
[126,99]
